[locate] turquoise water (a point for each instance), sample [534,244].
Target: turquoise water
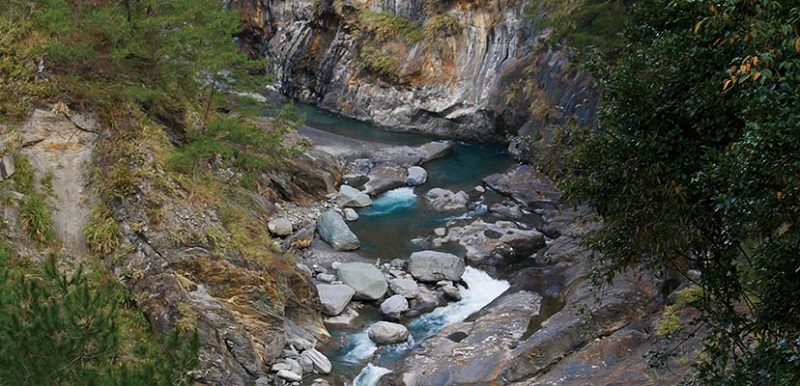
[386,230]
[388,234]
[351,128]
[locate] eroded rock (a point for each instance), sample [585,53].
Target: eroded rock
[445,200]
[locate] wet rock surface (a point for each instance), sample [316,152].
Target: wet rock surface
[468,352]
[527,186]
[388,333]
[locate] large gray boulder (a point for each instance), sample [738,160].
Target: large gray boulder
[394,307]
[432,266]
[334,297]
[334,231]
[445,200]
[352,197]
[388,333]
[365,279]
[416,176]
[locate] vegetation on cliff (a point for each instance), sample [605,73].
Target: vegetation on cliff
[162,78]
[694,166]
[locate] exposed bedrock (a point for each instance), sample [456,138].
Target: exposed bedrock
[479,71]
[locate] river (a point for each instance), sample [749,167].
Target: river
[394,227]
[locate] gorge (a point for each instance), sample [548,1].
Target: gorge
[459,208]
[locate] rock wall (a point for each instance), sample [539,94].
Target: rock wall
[466,69]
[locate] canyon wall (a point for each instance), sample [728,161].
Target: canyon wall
[476,70]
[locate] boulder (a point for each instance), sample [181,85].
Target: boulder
[432,266]
[334,231]
[326,277]
[334,298]
[281,227]
[409,156]
[525,185]
[289,376]
[406,287]
[388,333]
[434,150]
[352,197]
[350,214]
[445,200]
[502,242]
[385,178]
[321,363]
[394,307]
[367,281]
[416,176]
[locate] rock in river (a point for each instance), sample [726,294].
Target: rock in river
[385,178]
[352,197]
[394,307]
[334,231]
[416,176]
[388,333]
[433,266]
[334,298]
[443,199]
[365,279]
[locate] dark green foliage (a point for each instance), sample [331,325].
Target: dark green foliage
[378,63]
[695,165]
[66,329]
[239,144]
[584,24]
[386,25]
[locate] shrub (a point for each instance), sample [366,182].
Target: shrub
[102,231]
[386,25]
[378,63]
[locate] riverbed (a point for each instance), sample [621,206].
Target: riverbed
[399,223]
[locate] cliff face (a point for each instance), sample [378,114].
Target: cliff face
[464,69]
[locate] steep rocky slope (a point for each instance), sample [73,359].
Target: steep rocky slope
[462,69]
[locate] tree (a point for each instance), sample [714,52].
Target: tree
[695,165]
[69,329]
